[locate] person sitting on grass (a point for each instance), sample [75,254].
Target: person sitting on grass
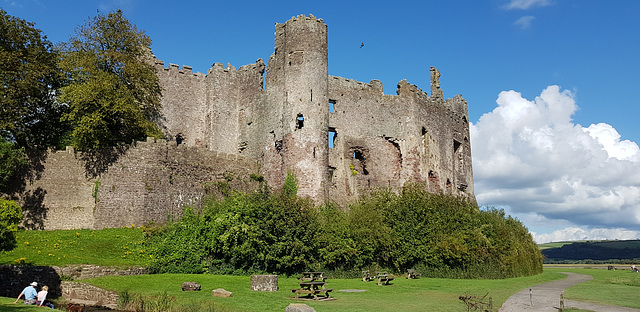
[29,294]
[42,296]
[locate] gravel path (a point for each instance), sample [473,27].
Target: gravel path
[546,297]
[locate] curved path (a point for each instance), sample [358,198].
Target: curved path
[546,297]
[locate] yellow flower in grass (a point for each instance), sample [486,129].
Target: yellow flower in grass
[77,234]
[26,243]
[20,260]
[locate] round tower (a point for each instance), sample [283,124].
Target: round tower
[301,56]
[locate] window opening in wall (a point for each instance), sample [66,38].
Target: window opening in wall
[299,121]
[332,137]
[179,138]
[424,130]
[456,146]
[332,106]
[311,95]
[360,157]
[331,170]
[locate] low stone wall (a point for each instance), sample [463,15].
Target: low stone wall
[80,272]
[88,294]
[14,278]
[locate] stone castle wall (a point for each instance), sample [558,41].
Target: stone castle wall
[149,182]
[268,119]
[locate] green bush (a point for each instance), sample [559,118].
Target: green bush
[10,216]
[262,232]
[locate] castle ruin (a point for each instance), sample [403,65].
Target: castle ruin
[339,136]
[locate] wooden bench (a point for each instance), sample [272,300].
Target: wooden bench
[384,279]
[366,277]
[412,274]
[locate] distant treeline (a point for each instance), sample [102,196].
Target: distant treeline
[601,251]
[279,232]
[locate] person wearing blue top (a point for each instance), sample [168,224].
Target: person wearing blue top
[29,294]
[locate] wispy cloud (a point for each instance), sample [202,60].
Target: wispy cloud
[526,4]
[528,155]
[574,233]
[525,22]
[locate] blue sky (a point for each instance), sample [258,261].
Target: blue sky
[552,85]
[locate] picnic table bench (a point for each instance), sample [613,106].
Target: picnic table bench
[312,284]
[384,279]
[366,277]
[411,274]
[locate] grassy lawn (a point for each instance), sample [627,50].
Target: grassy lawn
[112,247]
[424,294]
[6,304]
[616,287]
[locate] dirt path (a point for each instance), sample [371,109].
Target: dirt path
[546,297]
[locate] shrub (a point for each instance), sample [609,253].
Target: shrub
[10,216]
[262,232]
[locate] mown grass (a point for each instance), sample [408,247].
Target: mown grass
[6,304]
[424,294]
[613,287]
[111,247]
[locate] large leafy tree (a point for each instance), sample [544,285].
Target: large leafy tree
[29,75]
[113,93]
[29,113]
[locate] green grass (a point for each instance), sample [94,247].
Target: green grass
[615,287]
[6,304]
[553,245]
[424,294]
[112,247]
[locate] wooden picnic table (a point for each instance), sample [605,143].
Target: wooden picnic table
[312,284]
[384,279]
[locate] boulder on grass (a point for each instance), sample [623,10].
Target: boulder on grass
[299,307]
[190,286]
[221,293]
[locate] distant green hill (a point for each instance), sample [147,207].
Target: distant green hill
[591,250]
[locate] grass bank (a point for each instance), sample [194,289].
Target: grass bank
[109,247]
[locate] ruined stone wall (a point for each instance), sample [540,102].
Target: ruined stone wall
[61,197]
[155,180]
[184,103]
[149,182]
[215,110]
[387,140]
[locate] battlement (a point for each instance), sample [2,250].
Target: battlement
[302,17]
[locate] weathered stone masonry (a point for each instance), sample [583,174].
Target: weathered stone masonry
[269,119]
[378,140]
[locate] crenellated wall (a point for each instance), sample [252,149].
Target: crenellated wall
[151,181]
[341,137]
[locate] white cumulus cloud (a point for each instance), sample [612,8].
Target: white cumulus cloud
[528,155]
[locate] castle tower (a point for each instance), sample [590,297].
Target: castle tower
[297,81]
